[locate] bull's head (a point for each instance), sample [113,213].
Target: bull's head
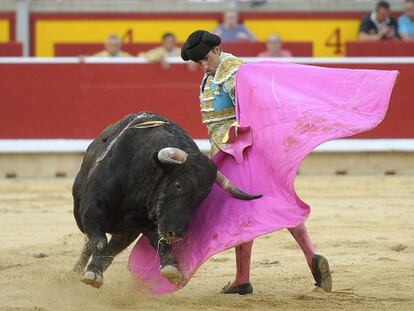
[189,180]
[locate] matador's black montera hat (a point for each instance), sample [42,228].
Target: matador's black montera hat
[198,44]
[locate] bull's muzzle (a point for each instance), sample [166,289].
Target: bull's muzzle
[171,237]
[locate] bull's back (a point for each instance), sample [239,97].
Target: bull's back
[96,147]
[134,147]
[145,139]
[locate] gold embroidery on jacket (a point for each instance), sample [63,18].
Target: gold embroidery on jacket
[226,69]
[218,122]
[216,132]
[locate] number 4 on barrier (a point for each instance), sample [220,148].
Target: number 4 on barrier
[334,40]
[127,37]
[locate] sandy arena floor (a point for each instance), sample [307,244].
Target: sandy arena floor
[363,224]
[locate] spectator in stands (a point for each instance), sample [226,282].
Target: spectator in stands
[113,46]
[162,53]
[274,47]
[406,22]
[378,25]
[231,30]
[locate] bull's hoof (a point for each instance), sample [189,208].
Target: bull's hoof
[172,274]
[92,278]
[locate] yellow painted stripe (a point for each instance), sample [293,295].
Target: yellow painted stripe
[328,36]
[49,32]
[4,30]
[319,31]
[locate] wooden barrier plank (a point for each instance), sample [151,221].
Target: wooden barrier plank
[252,49]
[72,100]
[379,48]
[11,49]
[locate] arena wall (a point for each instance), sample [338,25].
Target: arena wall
[73,99]
[47,165]
[77,98]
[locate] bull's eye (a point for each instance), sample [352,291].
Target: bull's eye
[179,187]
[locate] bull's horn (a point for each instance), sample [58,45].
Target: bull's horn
[172,155]
[224,183]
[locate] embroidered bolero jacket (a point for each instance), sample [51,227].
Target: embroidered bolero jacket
[217,94]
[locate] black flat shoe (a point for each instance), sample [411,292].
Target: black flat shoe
[321,273]
[242,289]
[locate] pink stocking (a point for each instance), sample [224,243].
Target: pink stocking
[301,236]
[243,255]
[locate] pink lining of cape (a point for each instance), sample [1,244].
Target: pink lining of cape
[286,111]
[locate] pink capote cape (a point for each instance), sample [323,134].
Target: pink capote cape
[285,110]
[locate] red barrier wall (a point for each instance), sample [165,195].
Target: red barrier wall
[380,48]
[252,49]
[11,49]
[77,49]
[79,100]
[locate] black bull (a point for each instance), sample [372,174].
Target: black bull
[143,174]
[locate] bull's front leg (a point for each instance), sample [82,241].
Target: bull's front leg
[84,257]
[168,263]
[94,272]
[117,244]
[93,224]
